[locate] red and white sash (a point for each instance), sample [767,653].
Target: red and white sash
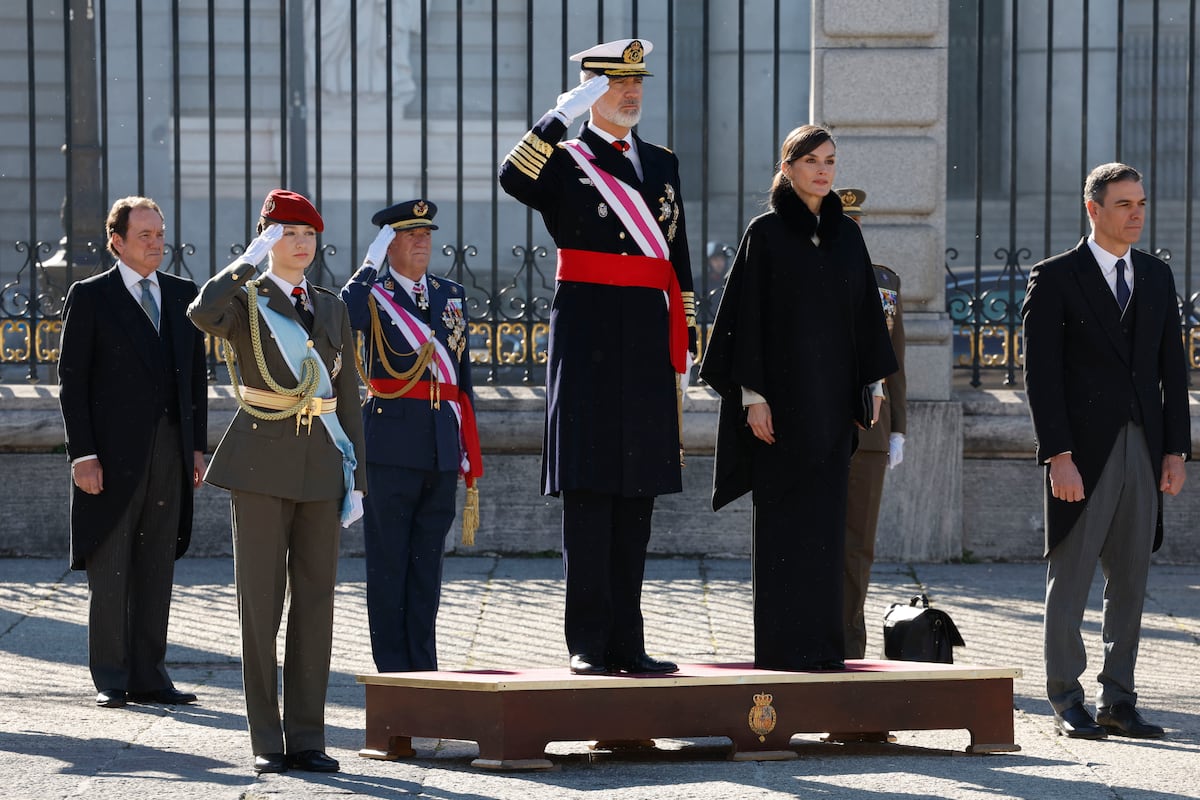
[628,204]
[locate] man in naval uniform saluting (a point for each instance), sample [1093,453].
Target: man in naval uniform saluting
[419,425]
[612,203]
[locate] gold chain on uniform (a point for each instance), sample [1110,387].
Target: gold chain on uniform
[310,374]
[378,340]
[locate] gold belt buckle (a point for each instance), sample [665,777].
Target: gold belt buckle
[305,415]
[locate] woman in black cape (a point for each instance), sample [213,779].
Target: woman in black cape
[798,337]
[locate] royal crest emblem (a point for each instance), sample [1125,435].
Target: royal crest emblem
[762,716]
[390,285]
[634,53]
[268,206]
[456,324]
[420,209]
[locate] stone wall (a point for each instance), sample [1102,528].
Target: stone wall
[981,499]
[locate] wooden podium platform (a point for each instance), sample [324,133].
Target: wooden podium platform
[514,715]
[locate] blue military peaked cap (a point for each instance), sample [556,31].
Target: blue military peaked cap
[407,215]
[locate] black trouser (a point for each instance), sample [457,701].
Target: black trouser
[604,559]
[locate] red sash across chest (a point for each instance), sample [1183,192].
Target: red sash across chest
[610,269]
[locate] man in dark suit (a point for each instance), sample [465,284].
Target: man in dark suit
[880,448]
[289,460]
[1107,386]
[133,395]
[612,203]
[419,426]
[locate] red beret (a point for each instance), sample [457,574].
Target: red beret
[289,208]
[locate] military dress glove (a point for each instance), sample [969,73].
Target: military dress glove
[378,248]
[578,100]
[356,508]
[257,250]
[895,450]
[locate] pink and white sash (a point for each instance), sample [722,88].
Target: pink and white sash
[628,204]
[417,333]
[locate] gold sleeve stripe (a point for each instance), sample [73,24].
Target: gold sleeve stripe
[538,144]
[521,162]
[530,155]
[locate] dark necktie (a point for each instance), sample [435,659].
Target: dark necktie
[306,315]
[1122,286]
[621,144]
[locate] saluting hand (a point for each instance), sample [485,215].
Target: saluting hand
[258,248]
[378,248]
[572,103]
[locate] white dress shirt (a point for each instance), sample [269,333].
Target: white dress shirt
[1108,265]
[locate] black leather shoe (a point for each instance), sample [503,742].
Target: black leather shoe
[1124,720]
[168,697]
[1077,723]
[111,698]
[270,762]
[583,664]
[312,761]
[643,664]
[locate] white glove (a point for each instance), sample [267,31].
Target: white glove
[356,508]
[378,249]
[895,450]
[578,100]
[257,250]
[685,377]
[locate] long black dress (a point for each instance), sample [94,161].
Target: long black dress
[800,323]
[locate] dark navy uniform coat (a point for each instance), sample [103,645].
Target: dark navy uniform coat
[612,422]
[405,432]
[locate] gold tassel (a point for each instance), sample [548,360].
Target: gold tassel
[470,518]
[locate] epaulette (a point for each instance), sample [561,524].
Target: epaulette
[892,274]
[322,289]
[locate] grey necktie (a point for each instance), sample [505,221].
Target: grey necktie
[148,304]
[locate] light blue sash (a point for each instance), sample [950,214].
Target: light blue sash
[294,345]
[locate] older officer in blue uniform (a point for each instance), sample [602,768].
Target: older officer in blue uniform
[419,428]
[612,203]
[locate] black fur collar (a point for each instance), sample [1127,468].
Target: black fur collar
[795,213]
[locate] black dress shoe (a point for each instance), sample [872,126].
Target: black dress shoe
[642,664]
[1124,720]
[111,698]
[270,762]
[583,664]
[312,761]
[1077,723]
[169,697]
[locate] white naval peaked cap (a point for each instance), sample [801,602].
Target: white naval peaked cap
[621,58]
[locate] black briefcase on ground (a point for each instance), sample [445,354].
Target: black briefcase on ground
[919,633]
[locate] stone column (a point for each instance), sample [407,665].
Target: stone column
[879,82]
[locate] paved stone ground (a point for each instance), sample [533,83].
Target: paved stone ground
[506,612]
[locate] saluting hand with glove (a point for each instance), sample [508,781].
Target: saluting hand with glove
[257,250]
[377,250]
[571,104]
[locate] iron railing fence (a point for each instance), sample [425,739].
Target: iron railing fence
[1040,92]
[205,105]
